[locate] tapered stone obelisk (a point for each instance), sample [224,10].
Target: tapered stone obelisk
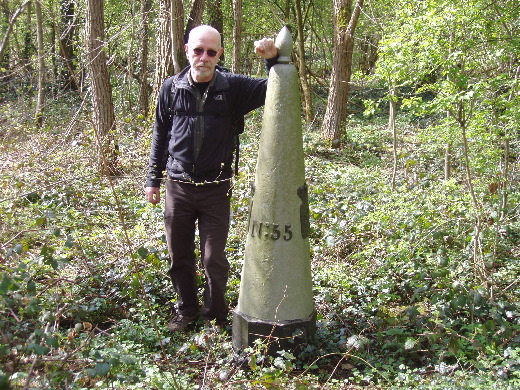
[275,301]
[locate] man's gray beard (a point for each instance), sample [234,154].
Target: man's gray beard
[196,72]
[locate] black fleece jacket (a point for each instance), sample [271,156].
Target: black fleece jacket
[194,136]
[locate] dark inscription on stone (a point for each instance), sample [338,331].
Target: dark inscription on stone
[304,211]
[268,230]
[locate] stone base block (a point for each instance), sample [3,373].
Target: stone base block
[277,336]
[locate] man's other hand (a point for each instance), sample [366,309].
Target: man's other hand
[153,194]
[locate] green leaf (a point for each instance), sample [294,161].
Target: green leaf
[18,248]
[33,197]
[143,252]
[38,349]
[47,251]
[410,343]
[53,342]
[287,355]
[6,284]
[31,287]
[101,369]
[252,362]
[40,221]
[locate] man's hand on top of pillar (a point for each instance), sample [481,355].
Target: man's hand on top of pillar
[265,48]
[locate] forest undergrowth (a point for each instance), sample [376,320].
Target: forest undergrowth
[407,295]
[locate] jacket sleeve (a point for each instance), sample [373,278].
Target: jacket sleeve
[160,136]
[250,92]
[269,63]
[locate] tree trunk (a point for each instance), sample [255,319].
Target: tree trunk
[505,180]
[144,87]
[478,256]
[164,63]
[41,65]
[215,19]
[126,87]
[391,125]
[447,161]
[302,66]
[4,51]
[53,30]
[286,9]
[177,36]
[237,35]
[505,165]
[67,48]
[368,54]
[28,46]
[345,23]
[102,100]
[448,146]
[195,19]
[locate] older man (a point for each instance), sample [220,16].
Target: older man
[194,136]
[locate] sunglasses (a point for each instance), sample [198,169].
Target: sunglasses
[199,51]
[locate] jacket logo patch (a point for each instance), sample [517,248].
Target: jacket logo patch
[219,97]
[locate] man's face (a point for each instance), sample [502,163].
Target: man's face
[203,51]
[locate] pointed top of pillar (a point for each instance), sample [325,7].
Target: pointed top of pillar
[284,43]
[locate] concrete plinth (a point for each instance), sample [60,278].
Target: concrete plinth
[276,336]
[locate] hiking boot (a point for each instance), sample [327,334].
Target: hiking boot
[180,322]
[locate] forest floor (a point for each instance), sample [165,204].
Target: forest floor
[403,298]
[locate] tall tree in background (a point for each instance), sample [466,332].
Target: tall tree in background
[28,45]
[237,35]
[144,87]
[4,23]
[171,38]
[164,64]
[302,65]
[215,18]
[195,18]
[66,40]
[177,36]
[345,22]
[41,64]
[101,90]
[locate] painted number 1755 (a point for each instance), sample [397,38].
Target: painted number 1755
[271,231]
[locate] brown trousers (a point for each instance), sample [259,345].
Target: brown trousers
[209,206]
